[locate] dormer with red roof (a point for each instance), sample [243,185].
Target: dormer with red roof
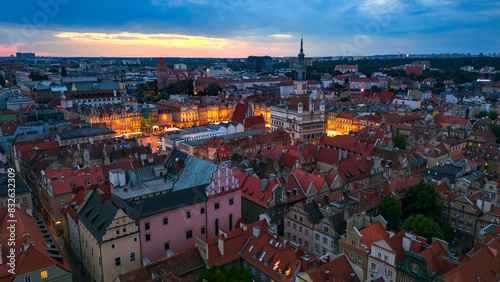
[271,196]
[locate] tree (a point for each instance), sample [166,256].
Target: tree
[223,274]
[400,141]
[493,115]
[421,199]
[496,130]
[64,72]
[375,88]
[212,89]
[36,76]
[338,85]
[390,209]
[481,114]
[2,80]
[423,226]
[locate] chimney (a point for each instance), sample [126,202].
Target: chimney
[256,231]
[248,171]
[340,155]
[272,177]
[264,184]
[220,245]
[178,165]
[321,173]
[114,92]
[104,196]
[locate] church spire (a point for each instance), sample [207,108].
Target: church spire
[300,69]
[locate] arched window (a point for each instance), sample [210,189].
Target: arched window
[217,226]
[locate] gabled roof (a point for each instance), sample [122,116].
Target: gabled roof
[272,254]
[64,180]
[482,265]
[240,112]
[233,241]
[373,233]
[97,215]
[450,120]
[165,202]
[29,238]
[176,265]
[339,269]
[354,169]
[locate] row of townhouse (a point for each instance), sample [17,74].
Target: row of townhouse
[146,214]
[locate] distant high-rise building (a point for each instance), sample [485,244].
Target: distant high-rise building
[28,55]
[259,63]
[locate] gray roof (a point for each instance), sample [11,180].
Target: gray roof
[88,85]
[449,171]
[20,184]
[473,177]
[313,212]
[226,137]
[165,202]
[143,181]
[84,132]
[97,215]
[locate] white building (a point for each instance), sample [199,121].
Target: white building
[306,125]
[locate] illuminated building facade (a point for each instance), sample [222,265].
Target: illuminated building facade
[306,125]
[264,110]
[220,113]
[120,119]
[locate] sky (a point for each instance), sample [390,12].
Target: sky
[239,28]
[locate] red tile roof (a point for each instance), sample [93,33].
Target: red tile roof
[233,242]
[280,256]
[61,179]
[482,265]
[253,121]
[353,169]
[450,120]
[373,233]
[339,269]
[240,111]
[36,257]
[179,264]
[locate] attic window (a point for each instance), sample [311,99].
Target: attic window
[99,179]
[73,184]
[88,181]
[431,270]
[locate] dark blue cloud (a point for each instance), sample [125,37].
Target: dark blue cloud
[417,21]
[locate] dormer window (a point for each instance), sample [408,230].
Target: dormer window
[88,181]
[99,179]
[73,184]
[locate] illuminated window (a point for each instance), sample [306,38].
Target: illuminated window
[43,274]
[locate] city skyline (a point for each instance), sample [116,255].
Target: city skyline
[223,28]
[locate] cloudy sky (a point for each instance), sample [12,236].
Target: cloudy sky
[239,28]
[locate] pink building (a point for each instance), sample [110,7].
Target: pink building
[170,221]
[224,201]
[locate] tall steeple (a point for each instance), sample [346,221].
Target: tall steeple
[301,70]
